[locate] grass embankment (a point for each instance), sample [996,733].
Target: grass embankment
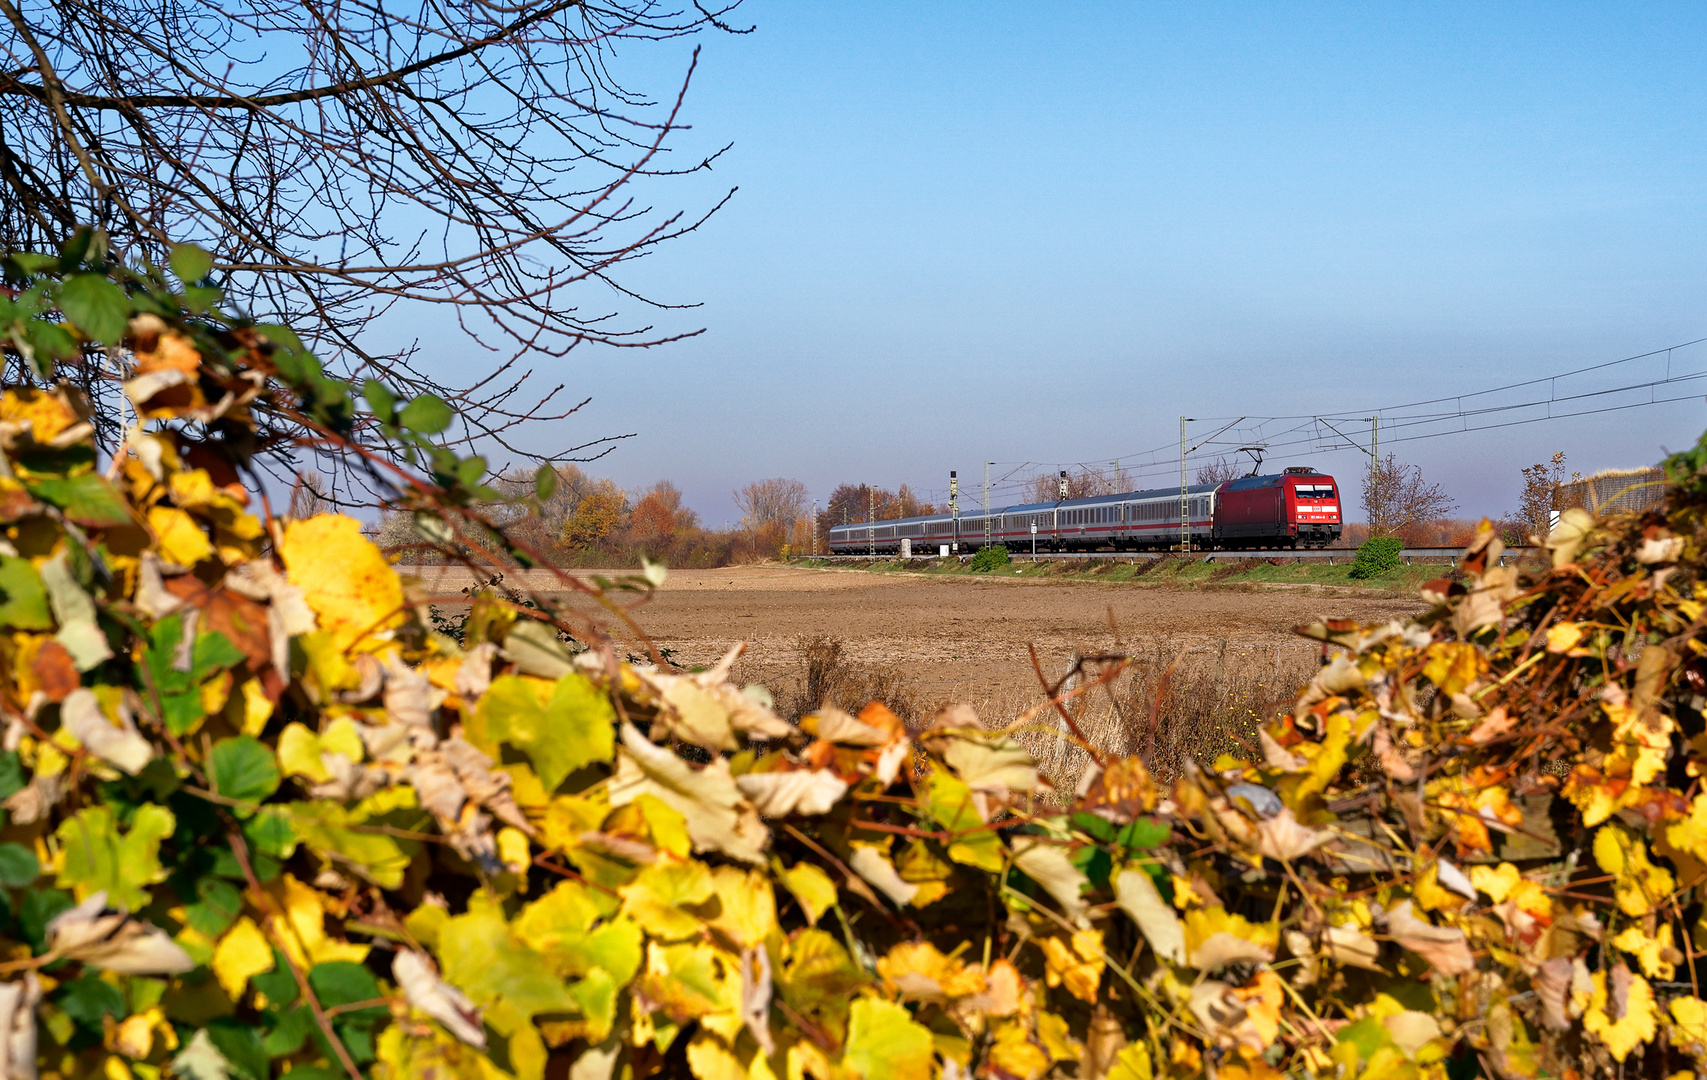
[1170,572]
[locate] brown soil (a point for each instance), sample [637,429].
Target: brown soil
[964,639]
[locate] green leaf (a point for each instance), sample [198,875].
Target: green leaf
[217,908]
[951,806]
[243,769]
[282,337]
[95,306]
[287,1035]
[89,998]
[51,343]
[269,832]
[241,1045]
[323,826]
[18,865]
[23,600]
[37,910]
[470,470]
[575,728]
[1145,833]
[380,399]
[87,499]
[545,482]
[279,985]
[482,959]
[427,415]
[97,857]
[33,263]
[190,262]
[1097,828]
[340,982]
[200,298]
[11,775]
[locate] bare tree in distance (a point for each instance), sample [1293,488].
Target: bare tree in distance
[1396,498]
[855,502]
[1218,471]
[1542,495]
[776,501]
[308,496]
[1082,483]
[339,159]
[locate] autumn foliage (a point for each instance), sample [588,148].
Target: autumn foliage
[261,820]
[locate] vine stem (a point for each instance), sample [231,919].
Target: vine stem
[240,848]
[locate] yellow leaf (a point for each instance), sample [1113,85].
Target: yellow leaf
[1653,953]
[1689,1017]
[1563,637]
[513,850]
[1638,884]
[1214,938]
[329,669]
[717,818]
[1133,1063]
[300,748]
[1453,665]
[301,931]
[666,824]
[711,1060]
[1079,967]
[1497,882]
[916,969]
[1015,1054]
[812,887]
[343,576]
[1056,1037]
[257,708]
[1639,1018]
[241,954]
[885,1044]
[747,906]
[569,816]
[1262,998]
[180,539]
[45,411]
[657,896]
[1690,834]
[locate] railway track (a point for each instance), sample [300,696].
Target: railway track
[1332,555]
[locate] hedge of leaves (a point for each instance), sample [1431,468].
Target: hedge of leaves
[261,819]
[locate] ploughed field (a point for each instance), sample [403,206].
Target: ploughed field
[918,642]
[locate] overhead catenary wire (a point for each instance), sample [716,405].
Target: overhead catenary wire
[1402,423]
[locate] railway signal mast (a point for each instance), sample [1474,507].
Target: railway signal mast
[1374,423]
[954,509]
[1184,503]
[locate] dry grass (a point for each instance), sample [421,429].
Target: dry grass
[1173,701]
[827,676]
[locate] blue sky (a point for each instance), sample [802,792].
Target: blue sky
[1042,232]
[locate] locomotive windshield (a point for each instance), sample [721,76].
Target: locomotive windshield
[1315,491]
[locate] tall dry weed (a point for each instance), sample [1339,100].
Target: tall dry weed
[1174,701]
[826,675]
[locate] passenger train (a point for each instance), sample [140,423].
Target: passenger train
[1298,507]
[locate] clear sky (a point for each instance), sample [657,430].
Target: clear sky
[1042,232]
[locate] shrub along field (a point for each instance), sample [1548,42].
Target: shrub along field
[264,821]
[1172,571]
